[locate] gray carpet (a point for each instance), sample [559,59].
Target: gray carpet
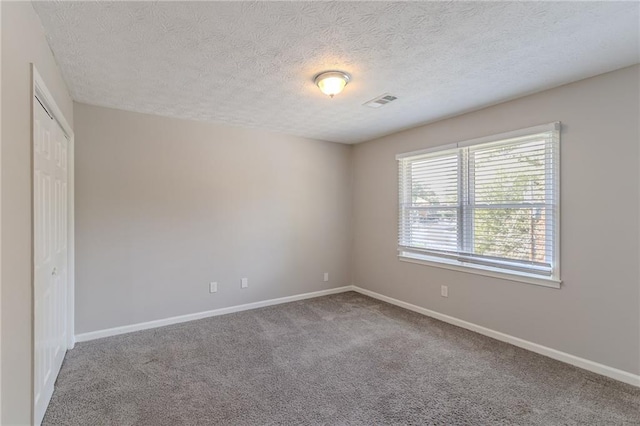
[338,360]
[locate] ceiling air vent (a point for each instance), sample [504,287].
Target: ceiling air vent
[381,100]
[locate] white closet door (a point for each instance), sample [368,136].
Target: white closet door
[50,255]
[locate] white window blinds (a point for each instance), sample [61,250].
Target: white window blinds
[490,203]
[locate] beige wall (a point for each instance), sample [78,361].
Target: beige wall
[164,206]
[23,42]
[595,313]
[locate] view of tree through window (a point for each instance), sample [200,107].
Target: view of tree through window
[489,203]
[509,190]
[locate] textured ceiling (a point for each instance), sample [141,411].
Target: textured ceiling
[252,63]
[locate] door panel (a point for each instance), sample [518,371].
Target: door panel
[50,255]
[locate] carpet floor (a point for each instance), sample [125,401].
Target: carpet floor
[344,359]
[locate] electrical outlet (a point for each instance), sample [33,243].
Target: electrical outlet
[244,283]
[213,287]
[326,277]
[444,291]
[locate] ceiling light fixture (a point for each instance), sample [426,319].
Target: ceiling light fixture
[331,82]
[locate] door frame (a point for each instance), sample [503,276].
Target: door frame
[39,89]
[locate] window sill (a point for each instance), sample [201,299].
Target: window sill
[479,270]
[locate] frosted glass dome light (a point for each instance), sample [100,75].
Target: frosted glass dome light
[332,82]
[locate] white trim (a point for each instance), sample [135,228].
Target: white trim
[557,222]
[84,337]
[466,200]
[71,245]
[44,95]
[549,127]
[41,94]
[0,232]
[614,373]
[554,126]
[40,90]
[439,148]
[594,367]
[488,271]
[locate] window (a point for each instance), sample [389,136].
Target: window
[488,205]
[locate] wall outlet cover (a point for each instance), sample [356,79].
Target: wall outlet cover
[444,291]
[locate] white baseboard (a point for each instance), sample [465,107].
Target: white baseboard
[84,337]
[614,373]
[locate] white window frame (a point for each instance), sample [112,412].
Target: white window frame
[552,281]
